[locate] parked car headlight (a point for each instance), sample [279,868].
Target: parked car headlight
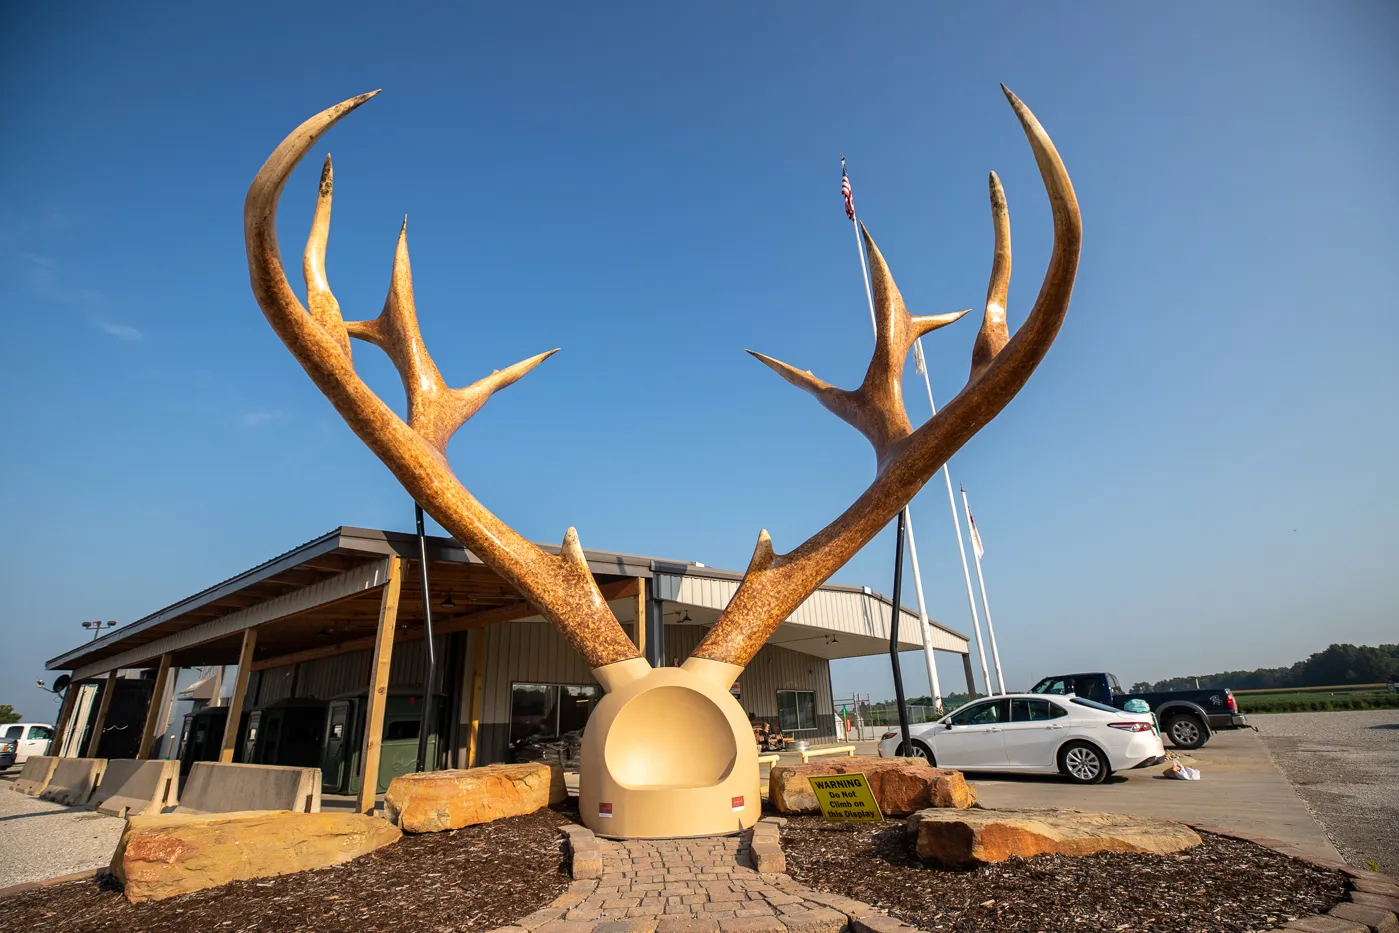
[886,736]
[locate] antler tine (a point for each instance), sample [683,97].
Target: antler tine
[561,587]
[325,310]
[776,584]
[434,410]
[876,408]
[992,337]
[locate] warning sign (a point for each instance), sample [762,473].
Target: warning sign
[845,797]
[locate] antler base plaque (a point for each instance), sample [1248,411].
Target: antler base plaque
[668,752]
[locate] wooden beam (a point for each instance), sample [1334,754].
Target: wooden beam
[478,680]
[157,704]
[109,688]
[639,627]
[379,688]
[240,690]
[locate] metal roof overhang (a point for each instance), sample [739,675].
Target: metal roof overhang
[323,597]
[338,568]
[834,622]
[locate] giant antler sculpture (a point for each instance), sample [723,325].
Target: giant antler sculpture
[686,789]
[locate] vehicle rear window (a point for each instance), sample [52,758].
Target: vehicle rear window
[1093,704]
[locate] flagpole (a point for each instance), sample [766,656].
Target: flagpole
[957,526]
[923,624]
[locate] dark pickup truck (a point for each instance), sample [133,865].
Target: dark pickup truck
[1189,717]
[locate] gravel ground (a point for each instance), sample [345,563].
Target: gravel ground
[474,879]
[1221,886]
[45,840]
[1345,765]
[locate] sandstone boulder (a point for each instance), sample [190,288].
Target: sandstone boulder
[967,838]
[900,785]
[434,801]
[165,856]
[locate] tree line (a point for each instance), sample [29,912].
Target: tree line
[1337,666]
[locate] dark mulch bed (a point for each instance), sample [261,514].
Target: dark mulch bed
[1223,886]
[471,879]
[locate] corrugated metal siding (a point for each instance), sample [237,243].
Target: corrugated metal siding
[526,652]
[325,678]
[534,652]
[330,677]
[274,684]
[836,611]
[772,669]
[410,663]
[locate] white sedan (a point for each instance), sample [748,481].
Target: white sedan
[1081,739]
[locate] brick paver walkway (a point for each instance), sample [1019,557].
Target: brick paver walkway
[704,885]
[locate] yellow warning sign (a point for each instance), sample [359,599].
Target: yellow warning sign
[845,797]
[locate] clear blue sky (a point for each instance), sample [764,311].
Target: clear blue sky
[1199,477]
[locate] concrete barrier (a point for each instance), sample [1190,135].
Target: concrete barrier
[811,753]
[213,787]
[132,787]
[35,774]
[73,781]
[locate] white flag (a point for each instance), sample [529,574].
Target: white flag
[971,526]
[919,366]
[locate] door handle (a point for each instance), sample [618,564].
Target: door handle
[994,729]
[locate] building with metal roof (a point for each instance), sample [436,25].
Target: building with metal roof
[306,628]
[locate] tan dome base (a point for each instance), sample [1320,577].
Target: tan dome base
[668,753]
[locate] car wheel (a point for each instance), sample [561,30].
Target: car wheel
[919,751]
[1083,764]
[1186,731]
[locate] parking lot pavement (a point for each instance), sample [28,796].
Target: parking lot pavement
[1345,765]
[1240,789]
[44,840]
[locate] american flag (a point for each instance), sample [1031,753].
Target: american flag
[845,191]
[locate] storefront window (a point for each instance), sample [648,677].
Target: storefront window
[550,709]
[796,710]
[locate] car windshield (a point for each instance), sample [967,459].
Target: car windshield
[1094,704]
[1057,685]
[14,732]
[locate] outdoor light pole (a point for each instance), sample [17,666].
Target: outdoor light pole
[428,677]
[894,618]
[97,626]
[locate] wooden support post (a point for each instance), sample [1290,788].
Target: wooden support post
[109,688]
[240,690]
[379,689]
[157,705]
[640,612]
[478,679]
